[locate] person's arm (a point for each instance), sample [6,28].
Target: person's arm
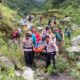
[56,48]
[55,45]
[54,38]
[23,42]
[42,33]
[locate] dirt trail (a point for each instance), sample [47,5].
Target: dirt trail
[61,77]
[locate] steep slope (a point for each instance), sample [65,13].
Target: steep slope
[6,23]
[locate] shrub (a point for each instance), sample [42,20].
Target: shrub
[75,73]
[9,75]
[61,64]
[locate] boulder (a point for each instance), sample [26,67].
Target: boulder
[75,45]
[75,49]
[67,19]
[28,73]
[74,27]
[40,75]
[5,63]
[18,73]
[40,63]
[76,41]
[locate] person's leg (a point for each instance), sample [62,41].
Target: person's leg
[26,56]
[53,59]
[47,60]
[31,57]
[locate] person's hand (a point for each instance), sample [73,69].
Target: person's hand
[56,55]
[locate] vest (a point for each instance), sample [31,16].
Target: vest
[49,47]
[28,46]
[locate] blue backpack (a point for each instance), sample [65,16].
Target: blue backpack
[58,36]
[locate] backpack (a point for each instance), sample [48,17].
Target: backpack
[15,34]
[68,34]
[58,36]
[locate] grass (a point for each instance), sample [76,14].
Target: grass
[15,53]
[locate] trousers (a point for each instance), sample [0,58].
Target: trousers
[50,57]
[29,56]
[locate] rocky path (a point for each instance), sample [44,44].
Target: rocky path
[61,77]
[38,74]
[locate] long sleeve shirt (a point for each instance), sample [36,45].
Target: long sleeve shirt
[51,46]
[27,44]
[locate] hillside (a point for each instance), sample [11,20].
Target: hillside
[41,5]
[11,52]
[7,21]
[68,7]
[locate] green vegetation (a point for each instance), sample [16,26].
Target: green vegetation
[9,75]
[10,8]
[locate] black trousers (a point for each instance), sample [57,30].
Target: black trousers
[29,56]
[50,57]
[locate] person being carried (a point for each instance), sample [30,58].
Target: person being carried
[28,50]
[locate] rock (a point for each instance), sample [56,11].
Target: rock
[18,73]
[40,63]
[24,68]
[50,78]
[74,27]
[76,41]
[62,76]
[28,74]
[46,76]
[5,63]
[75,49]
[67,19]
[75,45]
[40,75]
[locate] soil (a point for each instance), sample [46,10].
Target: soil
[61,77]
